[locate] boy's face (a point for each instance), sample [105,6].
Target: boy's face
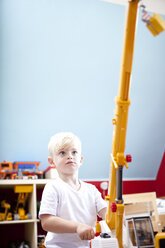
[68,159]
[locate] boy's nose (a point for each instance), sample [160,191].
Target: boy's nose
[69,155]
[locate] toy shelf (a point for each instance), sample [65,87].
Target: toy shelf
[17,221]
[22,229]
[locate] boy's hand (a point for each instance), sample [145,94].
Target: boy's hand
[85,232]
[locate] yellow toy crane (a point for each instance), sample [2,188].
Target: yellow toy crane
[114,215]
[23,192]
[115,210]
[6,215]
[115,219]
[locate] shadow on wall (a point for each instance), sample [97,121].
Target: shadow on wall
[138,186]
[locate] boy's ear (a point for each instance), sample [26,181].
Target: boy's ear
[81,160]
[50,160]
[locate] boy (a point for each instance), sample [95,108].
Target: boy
[69,206]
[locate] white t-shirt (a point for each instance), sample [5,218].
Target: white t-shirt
[62,200]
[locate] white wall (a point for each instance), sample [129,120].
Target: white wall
[60,62]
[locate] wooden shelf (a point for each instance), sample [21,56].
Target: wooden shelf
[18,221]
[28,228]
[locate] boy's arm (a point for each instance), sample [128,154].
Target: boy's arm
[51,223]
[102,213]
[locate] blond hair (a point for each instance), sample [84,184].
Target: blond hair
[62,140]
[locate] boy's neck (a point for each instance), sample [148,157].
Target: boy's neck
[72,181]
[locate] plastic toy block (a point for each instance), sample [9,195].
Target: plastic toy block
[23,188]
[156,24]
[6,165]
[25,165]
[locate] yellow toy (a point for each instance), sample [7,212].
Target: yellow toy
[159,237]
[155,24]
[6,215]
[98,228]
[114,219]
[23,191]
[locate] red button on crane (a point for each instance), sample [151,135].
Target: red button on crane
[113,207]
[128,158]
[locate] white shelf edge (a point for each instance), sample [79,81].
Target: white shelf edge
[22,181]
[18,221]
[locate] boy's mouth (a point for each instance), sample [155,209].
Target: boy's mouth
[70,162]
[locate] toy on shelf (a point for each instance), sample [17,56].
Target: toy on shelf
[20,170]
[23,191]
[51,172]
[41,239]
[5,215]
[19,244]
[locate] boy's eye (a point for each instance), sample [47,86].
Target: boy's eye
[74,152]
[62,152]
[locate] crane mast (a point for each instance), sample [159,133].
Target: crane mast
[114,218]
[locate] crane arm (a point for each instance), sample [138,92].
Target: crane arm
[118,160]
